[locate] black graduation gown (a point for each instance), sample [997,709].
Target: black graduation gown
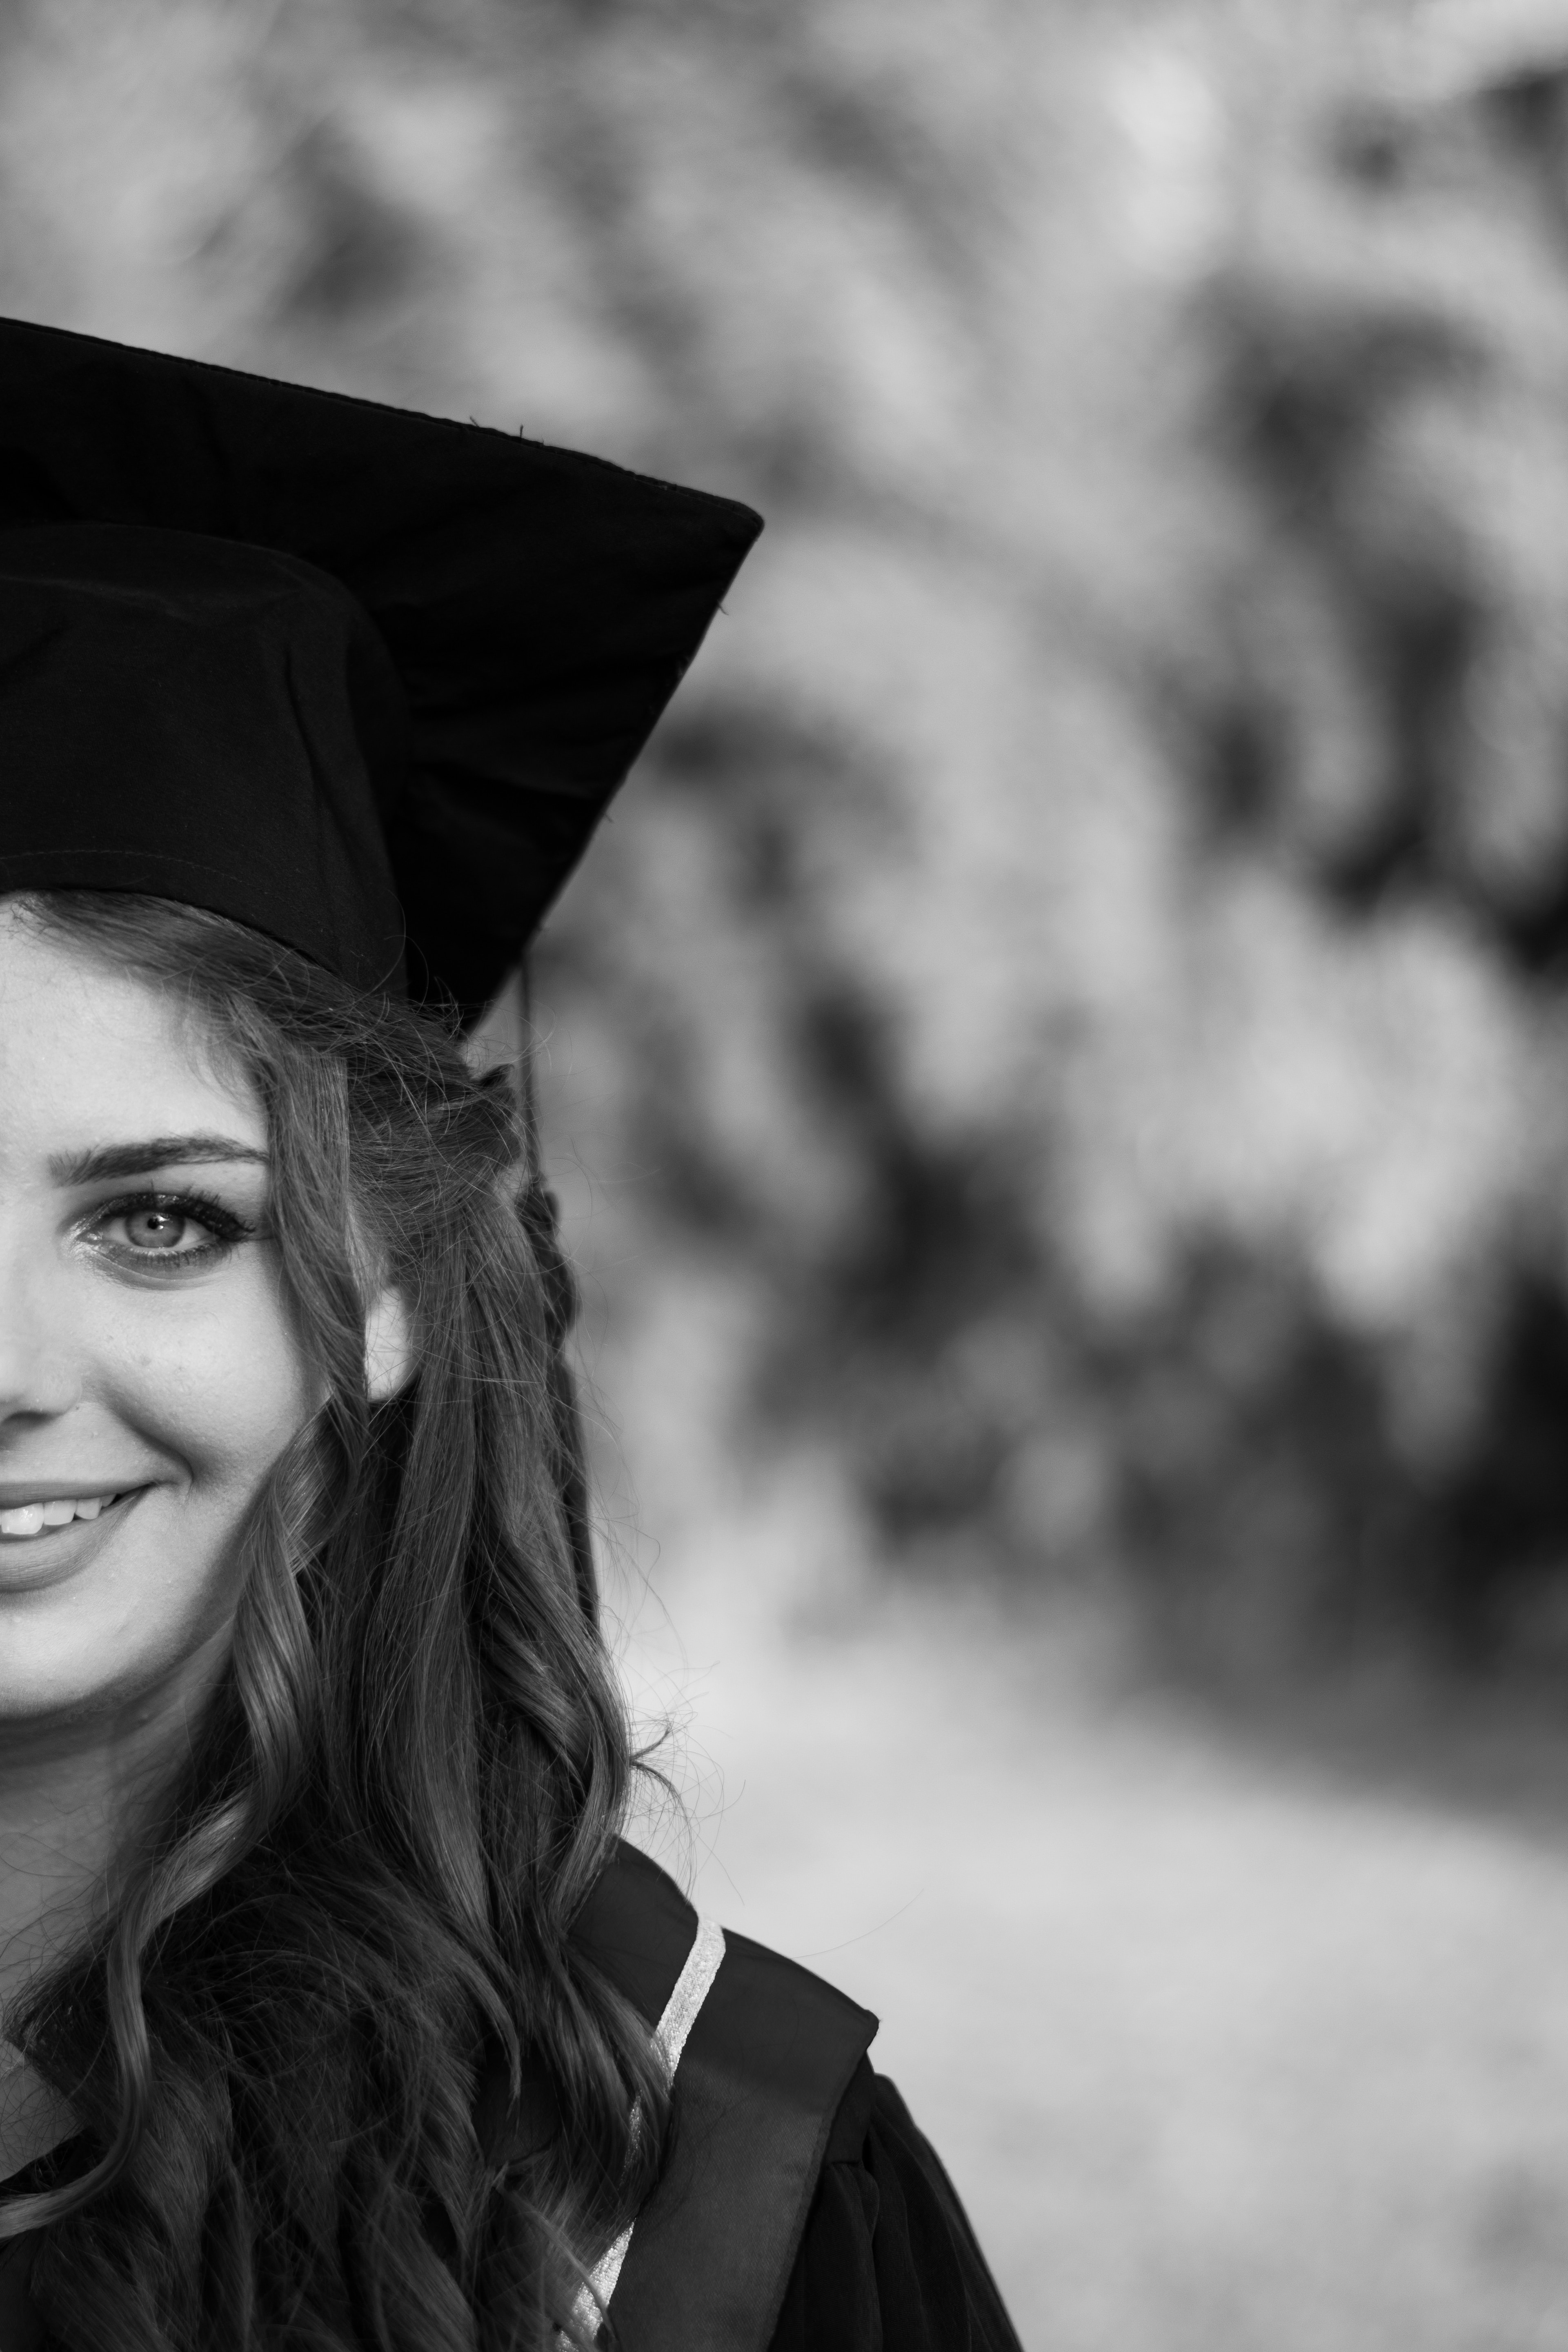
[799,2209]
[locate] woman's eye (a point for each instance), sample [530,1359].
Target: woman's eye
[162,1229]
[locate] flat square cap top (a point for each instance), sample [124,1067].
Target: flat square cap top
[457,642]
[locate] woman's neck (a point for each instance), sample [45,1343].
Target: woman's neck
[75,1798]
[33,2118]
[62,1805]
[58,1819]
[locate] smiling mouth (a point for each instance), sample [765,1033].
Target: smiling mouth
[22,1522]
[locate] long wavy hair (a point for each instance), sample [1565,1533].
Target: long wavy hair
[354,1910]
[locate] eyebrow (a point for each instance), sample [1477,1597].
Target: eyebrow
[143,1159]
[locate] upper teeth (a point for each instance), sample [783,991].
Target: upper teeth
[32,1518]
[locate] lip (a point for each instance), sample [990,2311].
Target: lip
[13,1493]
[30,1563]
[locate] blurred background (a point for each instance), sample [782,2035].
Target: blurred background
[1058,1071]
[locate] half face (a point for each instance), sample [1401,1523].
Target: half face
[149,1376]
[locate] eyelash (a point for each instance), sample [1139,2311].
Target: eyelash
[199,1208]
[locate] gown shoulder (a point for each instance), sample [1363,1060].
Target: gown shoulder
[888,2262]
[800,2210]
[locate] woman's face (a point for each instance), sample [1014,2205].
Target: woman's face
[148,1372]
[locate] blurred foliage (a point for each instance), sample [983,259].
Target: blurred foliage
[1083,967]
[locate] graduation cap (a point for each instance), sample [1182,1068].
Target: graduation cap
[363,679]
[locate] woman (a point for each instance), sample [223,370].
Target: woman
[338,2014]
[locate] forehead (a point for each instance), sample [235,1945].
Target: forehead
[89,1054]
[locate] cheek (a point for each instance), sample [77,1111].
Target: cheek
[204,1388]
[213,1379]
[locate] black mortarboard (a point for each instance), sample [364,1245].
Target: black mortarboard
[344,672]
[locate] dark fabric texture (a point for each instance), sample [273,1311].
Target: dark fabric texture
[204,722]
[764,2068]
[888,2262]
[761,2078]
[637,1928]
[879,2255]
[538,607]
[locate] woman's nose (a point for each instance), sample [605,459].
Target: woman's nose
[39,1373]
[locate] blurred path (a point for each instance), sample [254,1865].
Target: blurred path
[1221,2053]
